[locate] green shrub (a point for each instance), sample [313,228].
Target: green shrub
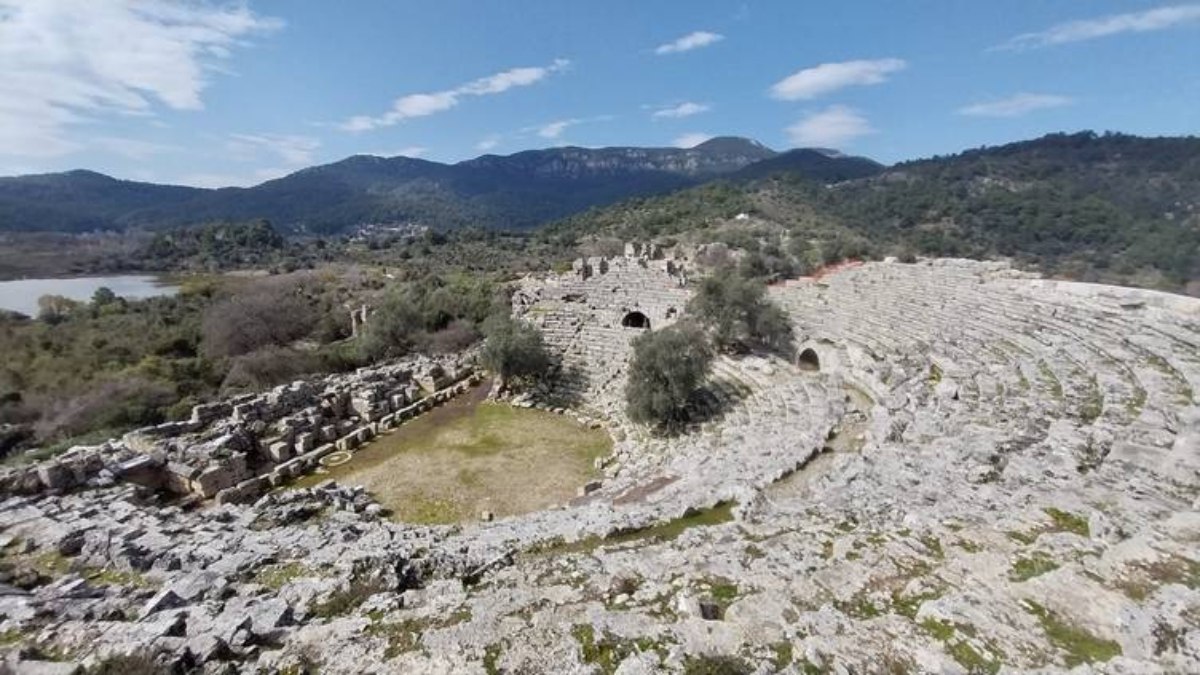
[668,367]
[514,350]
[738,316]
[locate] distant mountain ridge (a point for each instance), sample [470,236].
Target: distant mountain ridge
[521,190]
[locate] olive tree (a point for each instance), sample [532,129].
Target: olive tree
[738,315]
[668,367]
[513,350]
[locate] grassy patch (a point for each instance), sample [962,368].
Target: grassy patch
[970,659]
[1051,379]
[968,546]
[607,653]
[715,665]
[940,630]
[1143,578]
[1065,521]
[1093,405]
[1060,521]
[468,456]
[781,655]
[668,531]
[278,575]
[859,607]
[1079,645]
[111,577]
[934,545]
[11,637]
[405,636]
[1026,568]
[908,605]
[50,563]
[959,648]
[345,600]
[491,658]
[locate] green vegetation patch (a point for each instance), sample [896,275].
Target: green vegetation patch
[491,658]
[1078,645]
[908,605]
[1065,521]
[607,652]
[468,456]
[405,636]
[959,647]
[111,577]
[1026,568]
[1143,578]
[716,665]
[782,654]
[278,575]
[668,531]
[345,600]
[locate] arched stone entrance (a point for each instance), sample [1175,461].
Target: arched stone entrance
[635,320]
[808,360]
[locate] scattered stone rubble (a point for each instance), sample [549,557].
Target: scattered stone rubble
[235,449]
[967,470]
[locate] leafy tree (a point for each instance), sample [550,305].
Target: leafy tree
[738,315]
[668,366]
[103,296]
[391,331]
[513,350]
[268,313]
[55,308]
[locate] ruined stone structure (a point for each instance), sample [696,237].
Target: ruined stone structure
[964,469]
[591,314]
[236,449]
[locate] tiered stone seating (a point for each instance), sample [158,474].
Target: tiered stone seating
[1009,344]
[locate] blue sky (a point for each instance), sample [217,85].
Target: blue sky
[219,93]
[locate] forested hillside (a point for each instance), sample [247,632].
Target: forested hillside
[518,191]
[1094,207]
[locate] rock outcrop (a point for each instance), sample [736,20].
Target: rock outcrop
[967,469]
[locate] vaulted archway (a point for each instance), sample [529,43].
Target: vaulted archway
[809,360]
[636,320]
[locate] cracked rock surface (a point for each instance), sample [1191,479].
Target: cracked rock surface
[973,471]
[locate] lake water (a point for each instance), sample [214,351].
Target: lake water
[22,295]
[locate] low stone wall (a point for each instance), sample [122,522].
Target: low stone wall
[252,488]
[235,449]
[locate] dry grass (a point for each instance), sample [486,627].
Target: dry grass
[462,459]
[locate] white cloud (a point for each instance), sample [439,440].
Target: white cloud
[423,104]
[687,43]
[292,150]
[831,127]
[1015,105]
[686,109]
[691,140]
[69,61]
[132,148]
[555,129]
[826,77]
[488,143]
[1159,18]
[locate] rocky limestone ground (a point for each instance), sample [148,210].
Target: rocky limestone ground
[973,471]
